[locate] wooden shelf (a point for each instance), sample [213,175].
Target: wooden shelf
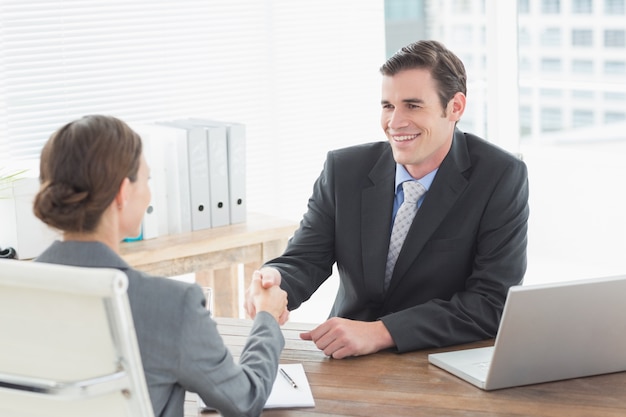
[214,255]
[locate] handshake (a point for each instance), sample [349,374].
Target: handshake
[337,337]
[265,294]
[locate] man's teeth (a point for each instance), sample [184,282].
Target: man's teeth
[403,138]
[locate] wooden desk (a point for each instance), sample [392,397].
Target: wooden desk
[390,384]
[214,255]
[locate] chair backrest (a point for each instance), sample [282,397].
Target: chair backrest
[67,343]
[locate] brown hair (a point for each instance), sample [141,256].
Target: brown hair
[446,68]
[82,167]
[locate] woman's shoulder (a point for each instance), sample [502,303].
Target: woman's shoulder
[167,290]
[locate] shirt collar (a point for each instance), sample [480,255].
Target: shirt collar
[403,175]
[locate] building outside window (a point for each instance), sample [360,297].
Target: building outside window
[525,92]
[551,93]
[404,20]
[461,6]
[615,38]
[615,67]
[614,96]
[551,65]
[523,6]
[614,7]
[614,117]
[403,10]
[582,6]
[582,37]
[582,66]
[550,6]
[551,119]
[583,94]
[582,118]
[525,119]
[525,65]
[463,35]
[551,37]
[523,37]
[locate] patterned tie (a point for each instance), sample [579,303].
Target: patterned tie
[413,190]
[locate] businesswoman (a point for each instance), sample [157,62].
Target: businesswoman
[94,189]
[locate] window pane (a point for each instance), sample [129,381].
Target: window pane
[523,6]
[550,6]
[525,65]
[460,7]
[550,64]
[463,35]
[583,94]
[586,127]
[614,117]
[582,66]
[551,92]
[523,37]
[551,119]
[615,67]
[613,7]
[525,120]
[582,37]
[615,38]
[551,37]
[582,118]
[525,91]
[582,6]
[399,10]
[615,95]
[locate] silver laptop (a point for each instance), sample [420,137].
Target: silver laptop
[549,332]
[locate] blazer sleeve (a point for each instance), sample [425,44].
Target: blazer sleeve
[499,262]
[207,367]
[310,254]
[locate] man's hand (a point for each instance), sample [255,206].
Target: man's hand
[267,277]
[340,338]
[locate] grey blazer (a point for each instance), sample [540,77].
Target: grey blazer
[465,248]
[180,346]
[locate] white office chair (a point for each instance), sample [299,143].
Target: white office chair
[67,343]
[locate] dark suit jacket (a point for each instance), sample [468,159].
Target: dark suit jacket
[181,349]
[465,248]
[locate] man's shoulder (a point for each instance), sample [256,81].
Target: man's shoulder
[489,162]
[479,146]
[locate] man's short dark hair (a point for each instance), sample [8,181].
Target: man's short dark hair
[446,68]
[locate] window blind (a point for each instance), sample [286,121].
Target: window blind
[303,76]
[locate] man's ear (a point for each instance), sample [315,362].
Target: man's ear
[456,106]
[122,195]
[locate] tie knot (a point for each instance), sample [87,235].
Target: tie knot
[413,190]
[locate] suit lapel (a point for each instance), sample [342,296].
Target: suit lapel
[447,186]
[376,210]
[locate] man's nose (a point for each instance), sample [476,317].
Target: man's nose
[397,120]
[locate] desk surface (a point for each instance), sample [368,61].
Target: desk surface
[390,384]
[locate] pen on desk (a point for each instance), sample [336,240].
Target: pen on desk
[288,378]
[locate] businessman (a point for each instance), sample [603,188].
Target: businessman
[465,245]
